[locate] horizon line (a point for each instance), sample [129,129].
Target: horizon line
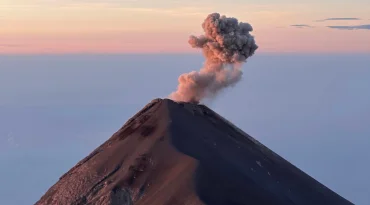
[168,53]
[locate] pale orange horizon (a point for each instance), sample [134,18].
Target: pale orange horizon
[38,27]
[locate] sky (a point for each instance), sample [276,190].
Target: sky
[163,26]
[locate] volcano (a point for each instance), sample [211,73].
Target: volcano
[173,153]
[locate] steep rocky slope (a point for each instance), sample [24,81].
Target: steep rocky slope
[181,153]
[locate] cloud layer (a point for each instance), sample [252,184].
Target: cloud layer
[339,19]
[10,45]
[301,26]
[357,27]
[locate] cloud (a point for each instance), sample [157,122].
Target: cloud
[339,19]
[10,45]
[172,8]
[11,140]
[358,27]
[301,26]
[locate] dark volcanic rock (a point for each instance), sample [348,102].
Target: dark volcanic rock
[181,153]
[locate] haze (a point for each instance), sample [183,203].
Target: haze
[54,110]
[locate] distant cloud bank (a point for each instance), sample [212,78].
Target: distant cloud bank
[358,27]
[339,19]
[301,26]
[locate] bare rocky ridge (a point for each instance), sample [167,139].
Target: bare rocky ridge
[185,154]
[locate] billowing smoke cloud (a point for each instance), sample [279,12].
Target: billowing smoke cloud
[226,44]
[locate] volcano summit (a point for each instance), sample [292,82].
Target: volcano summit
[173,153]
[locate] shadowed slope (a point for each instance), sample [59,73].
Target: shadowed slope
[181,153]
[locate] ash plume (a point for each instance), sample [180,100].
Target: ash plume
[226,45]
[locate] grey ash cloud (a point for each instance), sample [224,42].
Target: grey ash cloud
[301,26]
[339,19]
[226,45]
[356,27]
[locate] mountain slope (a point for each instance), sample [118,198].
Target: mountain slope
[181,153]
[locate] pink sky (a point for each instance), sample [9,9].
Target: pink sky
[33,26]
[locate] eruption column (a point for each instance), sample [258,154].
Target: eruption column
[226,45]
